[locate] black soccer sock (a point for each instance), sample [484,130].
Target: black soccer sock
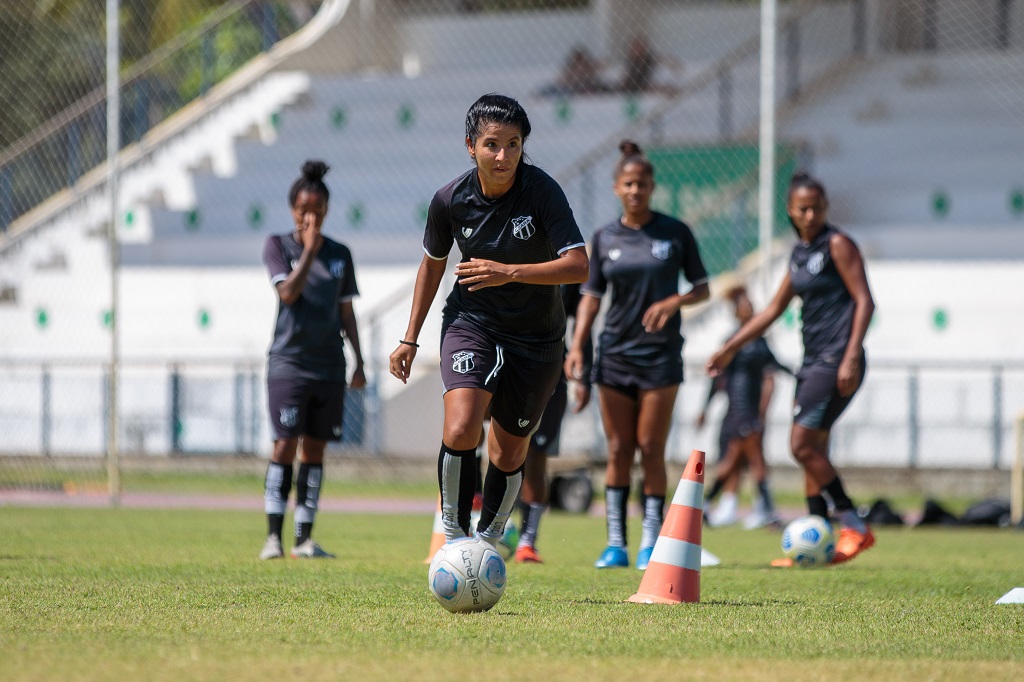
[307,497]
[654,516]
[478,484]
[616,500]
[456,478]
[767,505]
[531,523]
[817,506]
[716,488]
[834,491]
[276,487]
[501,492]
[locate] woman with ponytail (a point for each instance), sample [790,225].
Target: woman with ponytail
[639,363]
[315,283]
[827,272]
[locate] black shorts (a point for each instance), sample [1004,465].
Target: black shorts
[818,403]
[305,407]
[628,377]
[520,385]
[547,438]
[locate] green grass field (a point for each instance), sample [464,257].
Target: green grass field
[118,594]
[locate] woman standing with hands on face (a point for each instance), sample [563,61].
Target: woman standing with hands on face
[315,283]
[502,337]
[827,272]
[639,363]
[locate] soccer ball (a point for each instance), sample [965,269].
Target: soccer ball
[467,575]
[808,541]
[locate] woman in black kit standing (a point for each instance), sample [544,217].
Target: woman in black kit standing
[315,282]
[827,272]
[502,337]
[639,363]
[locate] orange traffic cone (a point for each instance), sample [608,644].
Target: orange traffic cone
[437,535]
[673,575]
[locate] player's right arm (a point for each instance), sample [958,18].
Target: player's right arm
[586,312]
[428,279]
[290,289]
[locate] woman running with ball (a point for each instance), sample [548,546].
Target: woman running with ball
[503,325]
[827,272]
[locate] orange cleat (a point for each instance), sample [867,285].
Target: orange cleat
[527,555]
[851,543]
[783,562]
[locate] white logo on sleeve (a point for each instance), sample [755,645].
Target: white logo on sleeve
[522,227]
[462,362]
[523,423]
[816,263]
[289,416]
[467,231]
[614,254]
[661,249]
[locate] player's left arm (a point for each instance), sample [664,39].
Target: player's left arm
[850,266]
[571,267]
[662,311]
[690,262]
[351,329]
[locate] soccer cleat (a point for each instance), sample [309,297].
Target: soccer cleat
[509,540]
[851,543]
[272,548]
[644,558]
[527,555]
[310,550]
[613,557]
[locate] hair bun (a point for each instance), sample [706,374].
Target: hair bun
[630,148]
[314,171]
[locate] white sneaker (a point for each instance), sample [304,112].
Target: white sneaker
[758,519]
[310,550]
[725,513]
[272,548]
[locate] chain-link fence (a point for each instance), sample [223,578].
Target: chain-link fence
[222,101]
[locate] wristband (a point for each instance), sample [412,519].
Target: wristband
[409,343]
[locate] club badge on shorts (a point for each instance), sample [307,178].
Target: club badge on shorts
[289,416]
[462,362]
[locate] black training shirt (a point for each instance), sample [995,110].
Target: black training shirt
[643,268]
[827,305]
[307,336]
[531,223]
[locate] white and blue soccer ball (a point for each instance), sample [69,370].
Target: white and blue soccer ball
[809,541]
[467,575]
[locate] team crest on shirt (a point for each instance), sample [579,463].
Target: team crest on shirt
[661,249]
[614,254]
[462,361]
[337,268]
[466,231]
[289,417]
[815,263]
[522,227]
